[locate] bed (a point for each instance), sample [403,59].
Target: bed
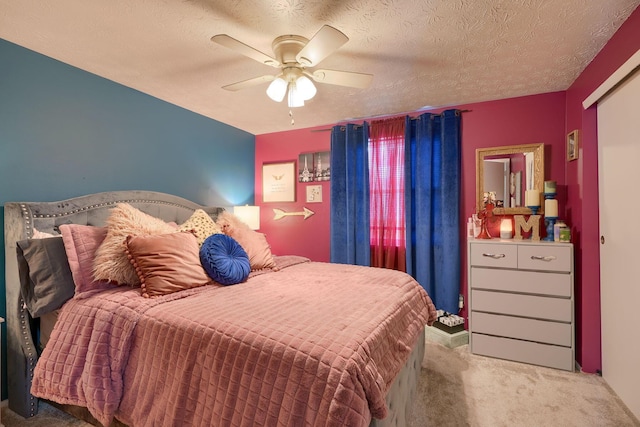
[302,343]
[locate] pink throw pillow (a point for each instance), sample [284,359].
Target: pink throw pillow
[254,244]
[166,263]
[80,244]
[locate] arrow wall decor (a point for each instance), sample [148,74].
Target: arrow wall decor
[279,213]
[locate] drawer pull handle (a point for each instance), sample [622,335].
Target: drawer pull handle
[494,256]
[543,258]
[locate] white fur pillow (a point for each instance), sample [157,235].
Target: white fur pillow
[112,262]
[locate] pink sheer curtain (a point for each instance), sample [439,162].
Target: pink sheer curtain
[386,180]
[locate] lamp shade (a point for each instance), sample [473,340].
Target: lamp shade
[277,89]
[298,90]
[250,215]
[306,88]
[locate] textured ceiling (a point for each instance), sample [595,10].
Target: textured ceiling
[421,52]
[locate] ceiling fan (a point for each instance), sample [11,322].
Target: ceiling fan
[294,55]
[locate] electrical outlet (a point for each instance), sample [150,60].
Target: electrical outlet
[460,302]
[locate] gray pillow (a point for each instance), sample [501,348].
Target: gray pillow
[46,282]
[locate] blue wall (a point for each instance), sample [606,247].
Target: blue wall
[65,132]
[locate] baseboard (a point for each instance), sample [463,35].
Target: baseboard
[448,340]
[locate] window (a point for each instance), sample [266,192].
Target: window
[386,199]
[386,176]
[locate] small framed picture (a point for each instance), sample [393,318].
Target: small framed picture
[305,167]
[572,145]
[322,166]
[314,193]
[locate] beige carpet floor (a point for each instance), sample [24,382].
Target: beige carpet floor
[460,389]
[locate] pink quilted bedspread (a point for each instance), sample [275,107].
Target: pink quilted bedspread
[314,344]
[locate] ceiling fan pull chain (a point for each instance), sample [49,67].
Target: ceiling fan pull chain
[291,115]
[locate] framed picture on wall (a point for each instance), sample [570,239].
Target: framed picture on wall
[322,166]
[572,145]
[279,182]
[314,166]
[314,193]
[305,167]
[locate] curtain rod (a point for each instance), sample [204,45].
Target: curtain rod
[458,112]
[412,118]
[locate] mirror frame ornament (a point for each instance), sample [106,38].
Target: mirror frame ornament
[538,168]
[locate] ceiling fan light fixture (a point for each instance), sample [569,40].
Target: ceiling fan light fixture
[295,97]
[277,89]
[294,54]
[305,87]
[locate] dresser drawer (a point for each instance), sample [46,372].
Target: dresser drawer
[494,255]
[530,282]
[545,258]
[538,307]
[543,331]
[523,351]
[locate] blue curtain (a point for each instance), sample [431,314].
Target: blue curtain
[350,195]
[433,191]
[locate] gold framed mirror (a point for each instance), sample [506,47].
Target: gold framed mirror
[509,171]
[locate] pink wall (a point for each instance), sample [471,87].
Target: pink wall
[524,120]
[543,118]
[582,185]
[293,234]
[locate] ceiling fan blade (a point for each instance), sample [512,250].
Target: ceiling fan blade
[322,44]
[244,49]
[249,83]
[342,78]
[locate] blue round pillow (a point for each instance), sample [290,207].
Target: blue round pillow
[224,260]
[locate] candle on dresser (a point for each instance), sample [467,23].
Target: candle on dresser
[505,228]
[551,208]
[549,187]
[532,197]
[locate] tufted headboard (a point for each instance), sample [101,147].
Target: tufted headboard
[20,220]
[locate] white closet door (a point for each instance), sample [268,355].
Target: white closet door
[619,192]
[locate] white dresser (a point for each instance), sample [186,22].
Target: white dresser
[521,304]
